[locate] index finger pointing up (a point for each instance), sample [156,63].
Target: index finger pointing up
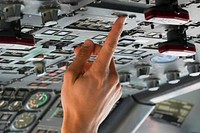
[103,60]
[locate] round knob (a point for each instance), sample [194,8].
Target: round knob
[193,69]
[50,17]
[173,77]
[152,84]
[143,71]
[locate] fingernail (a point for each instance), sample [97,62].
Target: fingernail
[87,43]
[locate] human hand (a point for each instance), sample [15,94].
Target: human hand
[90,90]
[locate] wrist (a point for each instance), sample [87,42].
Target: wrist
[73,124]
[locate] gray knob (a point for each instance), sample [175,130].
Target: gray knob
[152,84]
[143,71]
[193,69]
[50,17]
[12,12]
[173,77]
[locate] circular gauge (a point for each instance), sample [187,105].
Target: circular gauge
[15,105]
[163,59]
[24,120]
[38,100]
[3,104]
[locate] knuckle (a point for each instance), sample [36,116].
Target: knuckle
[100,73]
[69,73]
[114,82]
[115,78]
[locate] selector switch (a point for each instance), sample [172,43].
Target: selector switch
[143,71]
[173,77]
[152,84]
[193,69]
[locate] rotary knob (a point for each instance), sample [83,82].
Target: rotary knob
[152,84]
[143,71]
[193,69]
[173,77]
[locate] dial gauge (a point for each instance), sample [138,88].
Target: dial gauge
[15,105]
[24,120]
[38,100]
[3,104]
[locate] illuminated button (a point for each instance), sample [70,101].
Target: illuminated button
[5,117]
[51,131]
[193,69]
[173,77]
[152,84]
[8,93]
[2,126]
[41,131]
[21,94]
[143,71]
